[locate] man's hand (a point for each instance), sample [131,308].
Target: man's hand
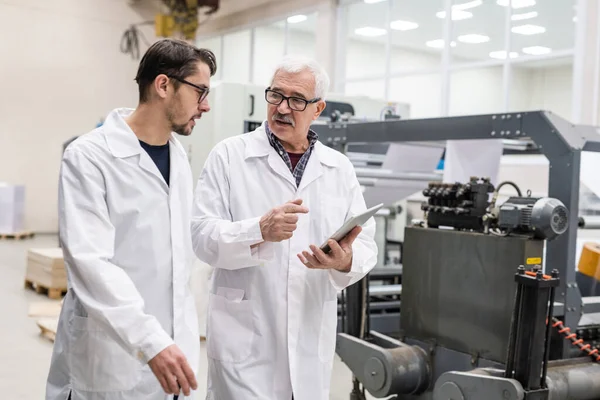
[339,258]
[173,371]
[280,222]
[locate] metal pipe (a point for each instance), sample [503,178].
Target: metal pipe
[589,222]
[579,381]
[405,176]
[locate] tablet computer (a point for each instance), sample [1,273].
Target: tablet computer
[353,222]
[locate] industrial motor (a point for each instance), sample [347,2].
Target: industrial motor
[467,207]
[543,218]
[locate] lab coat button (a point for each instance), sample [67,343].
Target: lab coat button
[140,355]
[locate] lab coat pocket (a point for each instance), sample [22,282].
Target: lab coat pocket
[97,363]
[230,328]
[328,331]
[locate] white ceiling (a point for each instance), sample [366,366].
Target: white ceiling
[488,19]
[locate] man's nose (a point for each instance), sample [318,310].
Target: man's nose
[204,106]
[284,108]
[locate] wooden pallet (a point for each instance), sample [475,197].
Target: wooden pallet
[48,327]
[53,293]
[17,235]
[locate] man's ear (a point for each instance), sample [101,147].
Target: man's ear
[161,84]
[320,107]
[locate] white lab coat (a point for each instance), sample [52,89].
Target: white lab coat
[127,246]
[272,321]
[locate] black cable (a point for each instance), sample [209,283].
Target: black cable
[510,184]
[130,43]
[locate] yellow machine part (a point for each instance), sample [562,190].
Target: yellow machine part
[589,262]
[164,25]
[183,18]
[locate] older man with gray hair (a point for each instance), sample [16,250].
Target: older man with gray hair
[264,203]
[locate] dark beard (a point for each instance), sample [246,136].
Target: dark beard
[177,128]
[180,130]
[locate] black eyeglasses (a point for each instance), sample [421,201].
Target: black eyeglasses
[295,103]
[203,91]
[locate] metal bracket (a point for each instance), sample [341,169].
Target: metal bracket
[476,386]
[384,372]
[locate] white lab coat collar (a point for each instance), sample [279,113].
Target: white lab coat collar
[121,140]
[257,145]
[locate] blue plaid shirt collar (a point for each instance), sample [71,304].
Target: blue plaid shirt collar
[301,166]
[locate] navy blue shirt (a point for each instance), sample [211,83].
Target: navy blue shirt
[160,156]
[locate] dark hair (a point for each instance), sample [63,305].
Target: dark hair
[174,58]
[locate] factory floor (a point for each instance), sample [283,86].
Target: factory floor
[26,355]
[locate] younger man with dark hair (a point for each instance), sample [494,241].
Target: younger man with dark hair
[128,327]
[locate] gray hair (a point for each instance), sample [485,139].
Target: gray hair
[295,64]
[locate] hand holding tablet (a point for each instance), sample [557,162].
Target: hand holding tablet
[357,220]
[336,252]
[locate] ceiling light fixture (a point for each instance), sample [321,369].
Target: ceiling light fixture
[457,15]
[528,29]
[403,25]
[536,50]
[373,1]
[438,43]
[516,3]
[466,6]
[521,17]
[370,31]
[501,54]
[294,19]
[473,38]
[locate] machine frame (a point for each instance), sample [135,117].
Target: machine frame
[557,139]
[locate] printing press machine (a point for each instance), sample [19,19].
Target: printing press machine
[489,303]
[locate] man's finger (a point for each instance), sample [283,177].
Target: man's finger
[301,258]
[182,381]
[336,250]
[350,237]
[289,227]
[295,201]
[294,208]
[312,262]
[319,255]
[164,383]
[290,218]
[189,374]
[171,383]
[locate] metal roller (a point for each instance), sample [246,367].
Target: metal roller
[589,222]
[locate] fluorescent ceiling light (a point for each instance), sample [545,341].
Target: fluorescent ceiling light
[516,3]
[370,31]
[536,50]
[403,25]
[473,38]
[373,1]
[457,15]
[438,44]
[501,54]
[520,17]
[528,29]
[575,19]
[294,19]
[466,6]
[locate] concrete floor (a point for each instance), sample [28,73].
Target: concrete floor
[26,355]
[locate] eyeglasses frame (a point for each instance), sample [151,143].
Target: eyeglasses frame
[287,98]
